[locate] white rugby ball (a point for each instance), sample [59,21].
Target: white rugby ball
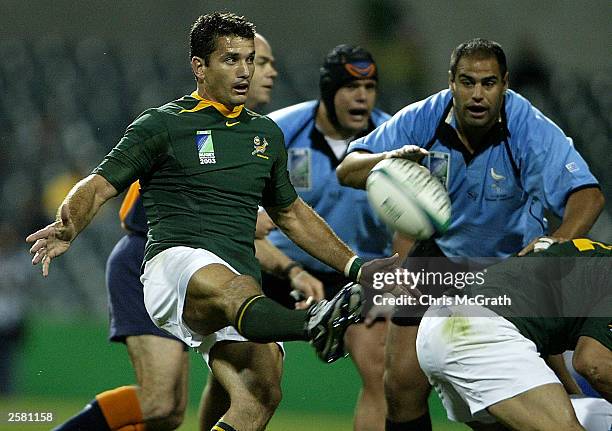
[408,198]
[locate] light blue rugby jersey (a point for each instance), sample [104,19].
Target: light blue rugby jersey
[498,195]
[312,169]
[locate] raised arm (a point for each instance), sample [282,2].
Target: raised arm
[581,211]
[74,214]
[310,232]
[356,166]
[276,262]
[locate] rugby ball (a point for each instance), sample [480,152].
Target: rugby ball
[408,198]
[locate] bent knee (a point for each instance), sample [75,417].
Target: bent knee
[163,410]
[404,379]
[394,386]
[412,389]
[589,367]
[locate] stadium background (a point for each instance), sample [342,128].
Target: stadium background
[73,74]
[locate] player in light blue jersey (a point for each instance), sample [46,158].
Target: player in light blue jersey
[503,163]
[317,134]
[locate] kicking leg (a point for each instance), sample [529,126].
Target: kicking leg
[216,297]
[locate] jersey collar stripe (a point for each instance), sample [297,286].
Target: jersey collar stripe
[205,103]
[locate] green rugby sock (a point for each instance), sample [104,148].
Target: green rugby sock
[263,320]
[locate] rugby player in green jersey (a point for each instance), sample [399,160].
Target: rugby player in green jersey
[204,163]
[487,363]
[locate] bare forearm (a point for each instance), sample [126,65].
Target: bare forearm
[270,258]
[581,211]
[402,245]
[310,232]
[355,168]
[85,199]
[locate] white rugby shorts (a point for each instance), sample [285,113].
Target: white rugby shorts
[594,414]
[475,362]
[165,281]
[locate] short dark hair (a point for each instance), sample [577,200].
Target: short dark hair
[479,47]
[208,28]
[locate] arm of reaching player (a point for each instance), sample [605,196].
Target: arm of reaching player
[581,211]
[356,166]
[402,245]
[557,364]
[74,214]
[310,232]
[264,224]
[276,262]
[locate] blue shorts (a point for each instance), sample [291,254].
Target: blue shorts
[128,315]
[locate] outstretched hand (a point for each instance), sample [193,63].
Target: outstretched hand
[370,269]
[309,287]
[540,244]
[52,241]
[410,152]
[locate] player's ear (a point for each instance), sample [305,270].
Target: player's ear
[506,81]
[451,81]
[198,66]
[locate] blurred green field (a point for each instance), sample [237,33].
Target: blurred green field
[64,364]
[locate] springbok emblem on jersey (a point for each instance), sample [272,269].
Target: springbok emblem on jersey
[259,146]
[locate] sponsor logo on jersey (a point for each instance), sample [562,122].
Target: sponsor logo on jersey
[205,147]
[438,163]
[572,167]
[260,146]
[228,124]
[496,176]
[499,191]
[298,164]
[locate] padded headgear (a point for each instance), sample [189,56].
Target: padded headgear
[343,64]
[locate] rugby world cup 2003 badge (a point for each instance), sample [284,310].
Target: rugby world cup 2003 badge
[260,146]
[205,147]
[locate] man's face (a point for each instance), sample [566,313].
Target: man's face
[478,91]
[230,67]
[265,73]
[354,103]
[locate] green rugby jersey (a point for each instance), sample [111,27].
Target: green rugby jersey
[569,286]
[203,171]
